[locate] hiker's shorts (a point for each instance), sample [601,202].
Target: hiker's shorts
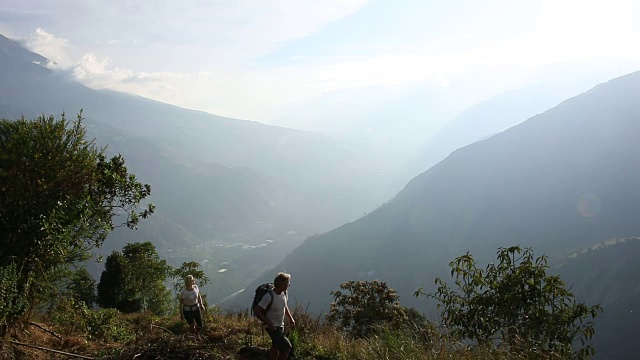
[191,314]
[278,339]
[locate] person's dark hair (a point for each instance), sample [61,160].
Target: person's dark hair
[281,278]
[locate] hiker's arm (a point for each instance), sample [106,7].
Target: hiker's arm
[288,313]
[260,314]
[200,302]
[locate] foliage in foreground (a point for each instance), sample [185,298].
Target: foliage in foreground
[110,335]
[59,197]
[358,328]
[367,322]
[516,305]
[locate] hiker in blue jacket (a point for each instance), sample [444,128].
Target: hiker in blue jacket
[273,319]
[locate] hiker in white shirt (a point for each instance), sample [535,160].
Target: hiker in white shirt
[191,304]
[273,319]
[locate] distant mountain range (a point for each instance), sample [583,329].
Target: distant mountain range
[490,117]
[238,196]
[560,182]
[215,180]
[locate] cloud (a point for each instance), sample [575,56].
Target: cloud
[205,57]
[90,67]
[212,32]
[230,33]
[271,24]
[53,48]
[254,93]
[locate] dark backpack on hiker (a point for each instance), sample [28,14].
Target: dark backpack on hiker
[260,292]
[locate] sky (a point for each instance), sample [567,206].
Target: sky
[322,65]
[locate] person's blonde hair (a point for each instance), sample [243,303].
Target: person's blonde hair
[189,280]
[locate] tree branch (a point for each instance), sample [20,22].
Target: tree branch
[47,349]
[47,330]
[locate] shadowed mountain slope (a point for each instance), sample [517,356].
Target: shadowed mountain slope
[310,166]
[608,275]
[559,182]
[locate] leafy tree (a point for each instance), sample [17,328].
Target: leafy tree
[188,268]
[364,305]
[515,304]
[134,280]
[112,288]
[146,276]
[82,287]
[59,197]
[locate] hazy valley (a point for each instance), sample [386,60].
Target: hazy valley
[548,167]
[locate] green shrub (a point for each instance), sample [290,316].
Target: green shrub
[103,325]
[364,305]
[13,298]
[106,325]
[516,306]
[68,316]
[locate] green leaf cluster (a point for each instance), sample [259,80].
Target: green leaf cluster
[515,304]
[13,298]
[361,306]
[59,197]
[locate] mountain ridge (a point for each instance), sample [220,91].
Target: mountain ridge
[251,182]
[490,117]
[558,182]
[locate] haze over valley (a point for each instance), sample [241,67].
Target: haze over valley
[333,154]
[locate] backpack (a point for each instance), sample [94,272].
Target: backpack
[260,292]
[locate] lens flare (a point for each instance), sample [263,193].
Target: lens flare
[589,205]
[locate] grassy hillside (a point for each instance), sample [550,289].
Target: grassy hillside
[228,336]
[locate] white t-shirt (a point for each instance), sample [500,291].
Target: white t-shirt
[190,297]
[275,315]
